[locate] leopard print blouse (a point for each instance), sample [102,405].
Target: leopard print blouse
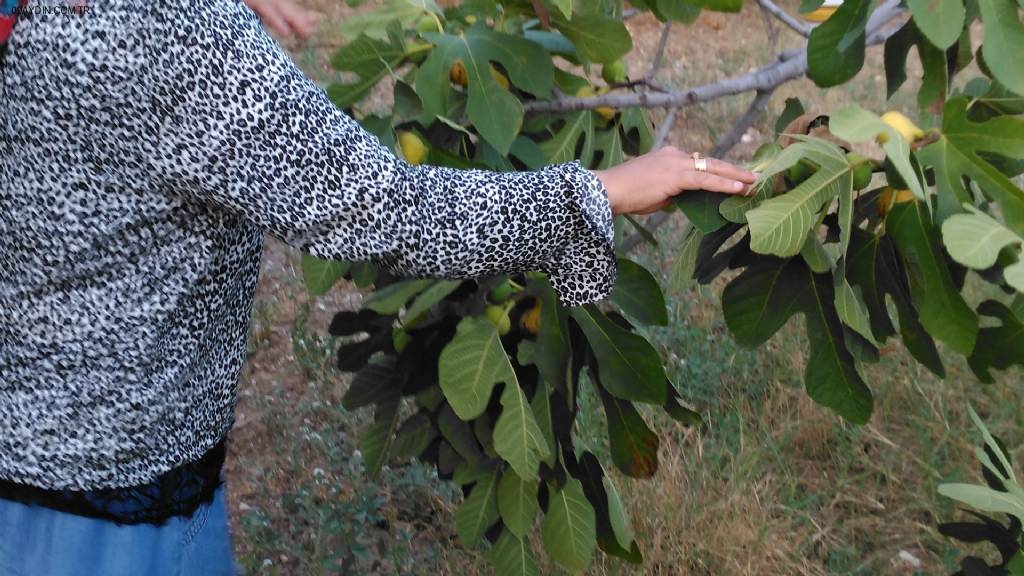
[145,148]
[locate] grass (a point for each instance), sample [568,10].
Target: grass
[773,484]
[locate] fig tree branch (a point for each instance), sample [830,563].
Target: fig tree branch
[769,27]
[659,54]
[784,17]
[789,66]
[742,124]
[665,128]
[542,13]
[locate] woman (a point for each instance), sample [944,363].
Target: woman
[145,147]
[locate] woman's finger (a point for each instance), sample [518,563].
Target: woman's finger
[273,19]
[721,168]
[693,180]
[301,21]
[731,171]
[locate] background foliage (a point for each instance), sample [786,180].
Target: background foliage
[808,243]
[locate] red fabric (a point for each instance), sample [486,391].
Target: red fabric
[7,24]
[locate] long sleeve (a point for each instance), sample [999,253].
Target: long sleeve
[244,130]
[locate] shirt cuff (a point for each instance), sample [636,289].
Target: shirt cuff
[583,270]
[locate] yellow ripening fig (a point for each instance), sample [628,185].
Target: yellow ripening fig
[891,196]
[585,92]
[413,148]
[471,19]
[500,78]
[903,125]
[606,112]
[823,12]
[531,319]
[457,73]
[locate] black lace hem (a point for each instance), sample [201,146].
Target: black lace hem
[179,492]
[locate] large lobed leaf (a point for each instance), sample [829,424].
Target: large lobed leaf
[512,556]
[517,437]
[766,295]
[975,239]
[569,532]
[630,367]
[935,73]
[478,511]
[874,267]
[835,49]
[779,226]
[614,532]
[375,24]
[1000,346]
[940,20]
[638,294]
[517,503]
[471,364]
[1004,42]
[634,446]
[943,311]
[371,59]
[597,38]
[958,155]
[496,113]
[321,275]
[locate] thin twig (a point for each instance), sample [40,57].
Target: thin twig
[791,65]
[769,26]
[542,13]
[653,222]
[742,124]
[784,17]
[665,128]
[659,54]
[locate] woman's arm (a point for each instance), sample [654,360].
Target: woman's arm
[245,130]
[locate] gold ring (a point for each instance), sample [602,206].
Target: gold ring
[700,164]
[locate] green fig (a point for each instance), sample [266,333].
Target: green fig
[862,170]
[499,317]
[503,291]
[614,72]
[799,172]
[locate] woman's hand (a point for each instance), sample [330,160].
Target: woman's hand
[284,17]
[647,184]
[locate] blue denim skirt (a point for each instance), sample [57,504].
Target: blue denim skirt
[38,541]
